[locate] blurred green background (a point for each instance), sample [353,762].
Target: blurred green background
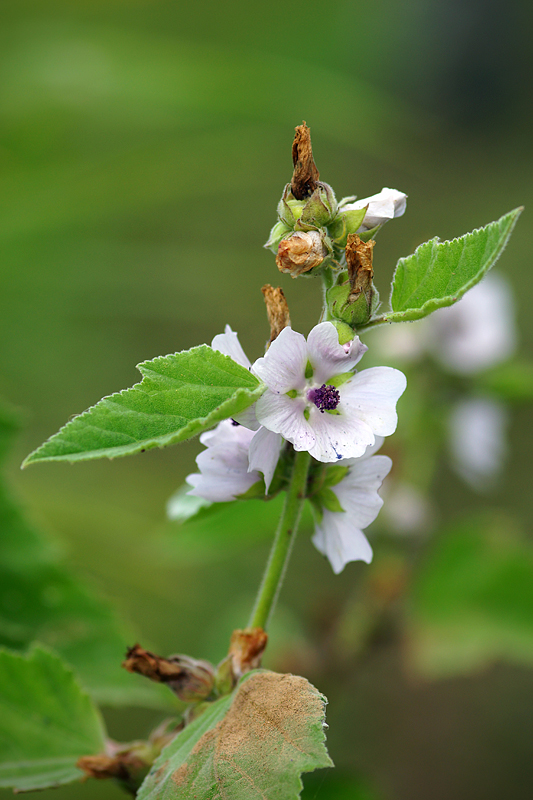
[144,146]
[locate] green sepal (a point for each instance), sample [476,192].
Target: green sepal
[344,223]
[342,377]
[365,236]
[329,500]
[278,232]
[334,475]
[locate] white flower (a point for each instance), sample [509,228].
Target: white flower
[385,205]
[224,465]
[264,447]
[476,333]
[236,452]
[477,440]
[314,400]
[339,534]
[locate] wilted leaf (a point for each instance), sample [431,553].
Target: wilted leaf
[254,743]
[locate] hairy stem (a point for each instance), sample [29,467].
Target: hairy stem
[283,542]
[327,282]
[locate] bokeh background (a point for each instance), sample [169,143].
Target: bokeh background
[144,145]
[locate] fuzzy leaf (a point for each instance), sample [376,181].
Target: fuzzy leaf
[46,722]
[180,396]
[254,743]
[439,273]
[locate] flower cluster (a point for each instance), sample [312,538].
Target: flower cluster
[316,401]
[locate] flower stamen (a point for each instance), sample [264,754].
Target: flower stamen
[326,398]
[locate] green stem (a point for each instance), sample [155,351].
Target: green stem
[327,282]
[283,542]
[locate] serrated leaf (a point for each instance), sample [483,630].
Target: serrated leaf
[471,602]
[254,743]
[41,600]
[180,396]
[47,722]
[439,273]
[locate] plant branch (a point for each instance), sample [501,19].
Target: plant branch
[283,542]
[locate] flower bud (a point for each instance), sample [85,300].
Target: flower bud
[289,208]
[347,309]
[300,252]
[379,208]
[353,301]
[320,209]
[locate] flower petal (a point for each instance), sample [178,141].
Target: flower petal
[358,491]
[371,396]
[338,436]
[385,205]
[282,414]
[223,464]
[264,454]
[228,344]
[327,356]
[283,366]
[338,539]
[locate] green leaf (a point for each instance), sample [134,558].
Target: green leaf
[41,600]
[180,396]
[439,273]
[46,722]
[254,743]
[472,600]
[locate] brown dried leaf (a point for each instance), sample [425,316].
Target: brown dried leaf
[254,743]
[277,310]
[305,175]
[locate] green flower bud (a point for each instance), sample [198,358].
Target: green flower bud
[320,209]
[352,310]
[289,208]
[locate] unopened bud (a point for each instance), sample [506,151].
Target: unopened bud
[189,678]
[300,252]
[320,209]
[353,301]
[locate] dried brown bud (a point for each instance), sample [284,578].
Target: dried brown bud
[305,175]
[300,252]
[246,649]
[189,678]
[359,261]
[103,766]
[277,310]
